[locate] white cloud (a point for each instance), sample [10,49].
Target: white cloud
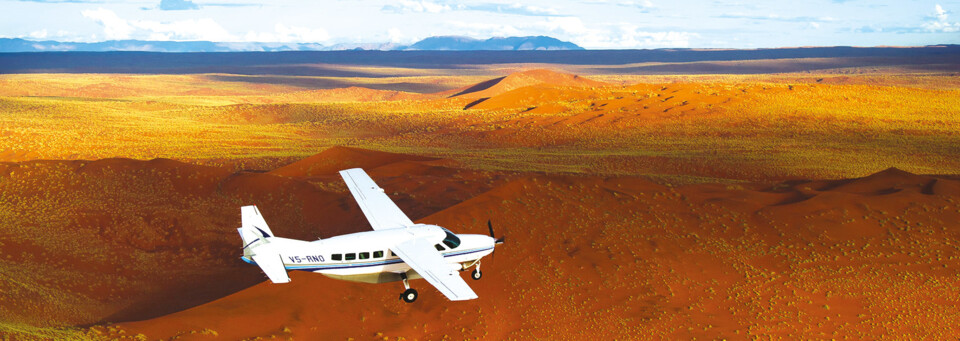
[289,34]
[941,14]
[614,36]
[41,34]
[645,5]
[636,38]
[531,10]
[57,47]
[608,36]
[114,27]
[423,6]
[426,6]
[942,23]
[396,36]
[191,29]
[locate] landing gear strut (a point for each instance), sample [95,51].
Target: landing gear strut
[476,274]
[410,294]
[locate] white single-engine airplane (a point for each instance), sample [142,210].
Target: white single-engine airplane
[396,250]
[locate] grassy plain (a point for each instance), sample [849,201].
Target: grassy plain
[729,126]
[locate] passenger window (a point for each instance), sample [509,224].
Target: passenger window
[392,254]
[350,256]
[364,255]
[450,244]
[439,248]
[336,256]
[377,254]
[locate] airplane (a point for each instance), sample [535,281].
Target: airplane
[396,250]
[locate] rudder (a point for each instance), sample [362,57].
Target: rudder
[253,229]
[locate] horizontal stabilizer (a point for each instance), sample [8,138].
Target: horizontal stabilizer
[272,265]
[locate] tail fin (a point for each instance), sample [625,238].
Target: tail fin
[253,230]
[252,220]
[255,235]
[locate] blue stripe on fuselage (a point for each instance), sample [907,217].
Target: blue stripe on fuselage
[314,267]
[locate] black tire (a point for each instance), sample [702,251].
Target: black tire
[476,274]
[409,295]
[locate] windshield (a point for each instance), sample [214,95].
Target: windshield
[451,240]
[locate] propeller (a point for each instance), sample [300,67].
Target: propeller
[490,226]
[495,240]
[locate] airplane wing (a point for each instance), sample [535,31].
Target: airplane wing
[272,265]
[424,258]
[380,211]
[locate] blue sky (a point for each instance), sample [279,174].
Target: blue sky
[607,24]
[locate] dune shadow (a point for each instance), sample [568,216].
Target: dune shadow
[830,185]
[180,296]
[314,83]
[479,86]
[471,104]
[928,188]
[795,198]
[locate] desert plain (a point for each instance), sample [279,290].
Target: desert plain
[811,198]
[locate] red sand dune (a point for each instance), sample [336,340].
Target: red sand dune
[349,94]
[148,238]
[624,258]
[612,258]
[332,160]
[521,79]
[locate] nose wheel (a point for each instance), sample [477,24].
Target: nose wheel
[476,274]
[410,294]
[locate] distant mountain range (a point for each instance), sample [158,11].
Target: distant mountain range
[509,43]
[447,43]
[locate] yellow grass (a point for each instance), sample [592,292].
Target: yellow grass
[774,127]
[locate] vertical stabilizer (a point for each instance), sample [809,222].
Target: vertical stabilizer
[253,221]
[257,245]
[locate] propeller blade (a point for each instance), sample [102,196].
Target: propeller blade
[493,255]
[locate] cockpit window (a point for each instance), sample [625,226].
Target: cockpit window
[451,240]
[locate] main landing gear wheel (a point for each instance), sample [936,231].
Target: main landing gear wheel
[476,274]
[409,296]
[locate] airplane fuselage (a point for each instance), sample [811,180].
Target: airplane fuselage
[366,256]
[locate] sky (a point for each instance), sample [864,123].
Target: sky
[592,24]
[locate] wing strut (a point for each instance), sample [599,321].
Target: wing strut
[426,261]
